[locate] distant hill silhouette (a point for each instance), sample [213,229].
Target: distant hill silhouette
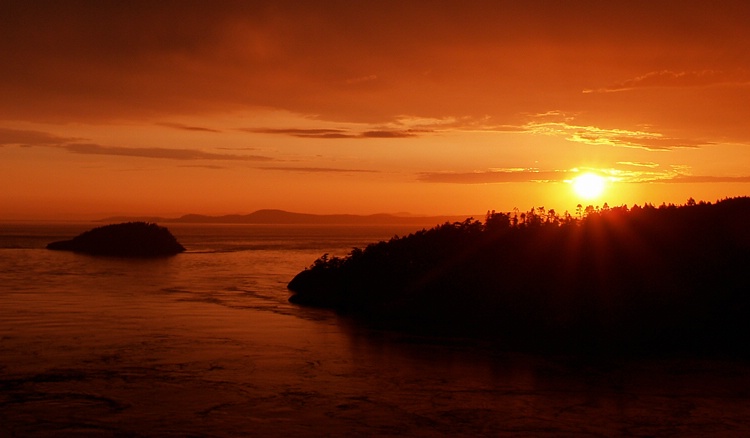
[131,239]
[615,279]
[282,217]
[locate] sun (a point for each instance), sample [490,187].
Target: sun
[589,185]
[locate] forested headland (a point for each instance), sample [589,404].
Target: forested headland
[645,278]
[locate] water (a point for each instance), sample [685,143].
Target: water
[205,344]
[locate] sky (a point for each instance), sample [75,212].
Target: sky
[422,107]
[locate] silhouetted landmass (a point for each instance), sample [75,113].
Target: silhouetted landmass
[288,218]
[614,279]
[131,239]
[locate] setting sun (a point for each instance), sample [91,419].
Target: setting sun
[508,201]
[589,185]
[396,114]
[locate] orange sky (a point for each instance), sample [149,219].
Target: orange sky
[428,107]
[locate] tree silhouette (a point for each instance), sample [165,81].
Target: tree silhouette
[640,278]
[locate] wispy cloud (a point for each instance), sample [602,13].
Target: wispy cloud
[649,164]
[594,135]
[303,133]
[18,137]
[642,173]
[224,148]
[708,179]
[203,166]
[399,127]
[189,128]
[29,138]
[318,169]
[668,78]
[390,134]
[337,133]
[492,176]
[431,125]
[674,174]
[161,153]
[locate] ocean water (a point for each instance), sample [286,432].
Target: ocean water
[205,344]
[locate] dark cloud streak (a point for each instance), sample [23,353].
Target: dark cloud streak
[160,153]
[337,133]
[31,138]
[668,78]
[189,128]
[302,133]
[318,169]
[492,176]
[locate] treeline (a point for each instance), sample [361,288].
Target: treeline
[642,278]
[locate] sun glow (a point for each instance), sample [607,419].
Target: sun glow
[589,185]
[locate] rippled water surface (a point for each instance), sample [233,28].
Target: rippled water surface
[206,344]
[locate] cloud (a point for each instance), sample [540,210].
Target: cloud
[140,60]
[16,137]
[594,135]
[319,170]
[337,133]
[414,125]
[302,133]
[707,179]
[402,126]
[387,134]
[31,138]
[225,148]
[203,166]
[189,128]
[494,176]
[431,123]
[654,142]
[674,174]
[649,164]
[160,153]
[668,78]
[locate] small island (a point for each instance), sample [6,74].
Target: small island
[131,239]
[651,279]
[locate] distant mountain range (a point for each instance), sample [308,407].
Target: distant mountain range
[286,217]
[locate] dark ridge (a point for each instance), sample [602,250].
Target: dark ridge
[131,239]
[645,279]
